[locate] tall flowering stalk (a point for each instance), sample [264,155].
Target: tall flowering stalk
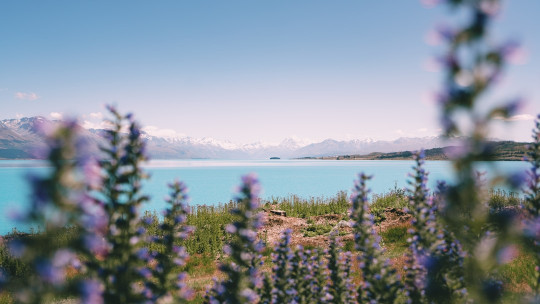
[379,280]
[310,282]
[267,291]
[473,64]
[532,196]
[121,193]
[422,232]
[339,283]
[284,289]
[319,281]
[59,202]
[168,283]
[242,272]
[301,274]
[532,204]
[444,282]
[435,260]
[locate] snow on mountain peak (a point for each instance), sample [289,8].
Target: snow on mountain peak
[295,142]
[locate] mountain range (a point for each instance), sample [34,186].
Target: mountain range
[23,138]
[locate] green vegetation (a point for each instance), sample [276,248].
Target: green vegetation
[395,240]
[503,150]
[499,199]
[296,206]
[519,272]
[396,198]
[317,229]
[16,268]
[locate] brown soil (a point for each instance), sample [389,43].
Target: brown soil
[394,217]
[275,225]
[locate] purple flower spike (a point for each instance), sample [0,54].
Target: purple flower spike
[91,291]
[243,249]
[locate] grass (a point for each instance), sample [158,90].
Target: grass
[296,206]
[395,198]
[519,273]
[317,229]
[395,240]
[499,199]
[6,298]
[200,264]
[349,246]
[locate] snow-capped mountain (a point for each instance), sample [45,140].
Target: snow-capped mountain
[23,138]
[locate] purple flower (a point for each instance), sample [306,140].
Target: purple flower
[507,254]
[3,277]
[180,219]
[227,249]
[517,179]
[458,151]
[514,53]
[230,228]
[442,33]
[431,3]
[489,7]
[92,174]
[250,295]
[96,244]
[16,248]
[143,254]
[49,272]
[145,272]
[91,291]
[63,257]
[148,220]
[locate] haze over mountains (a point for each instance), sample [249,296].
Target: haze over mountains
[23,138]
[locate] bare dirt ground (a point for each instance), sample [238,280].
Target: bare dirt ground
[275,225]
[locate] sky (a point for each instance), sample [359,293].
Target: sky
[248,71]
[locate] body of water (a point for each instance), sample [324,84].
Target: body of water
[214,181]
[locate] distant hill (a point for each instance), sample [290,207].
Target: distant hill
[23,138]
[503,150]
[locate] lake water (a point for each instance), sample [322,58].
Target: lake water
[214,181]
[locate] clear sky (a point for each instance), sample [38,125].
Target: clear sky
[246,71]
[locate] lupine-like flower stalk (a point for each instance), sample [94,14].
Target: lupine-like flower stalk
[532,205]
[267,291]
[444,277]
[532,197]
[242,272]
[121,192]
[339,280]
[379,281]
[284,289]
[59,201]
[169,283]
[319,283]
[301,273]
[435,260]
[422,232]
[346,260]
[472,65]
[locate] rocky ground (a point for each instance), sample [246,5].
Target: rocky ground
[276,224]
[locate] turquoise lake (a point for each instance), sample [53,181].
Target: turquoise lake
[214,181]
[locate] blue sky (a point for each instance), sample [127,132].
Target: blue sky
[246,71]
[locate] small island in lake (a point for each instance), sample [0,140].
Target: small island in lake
[274,157]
